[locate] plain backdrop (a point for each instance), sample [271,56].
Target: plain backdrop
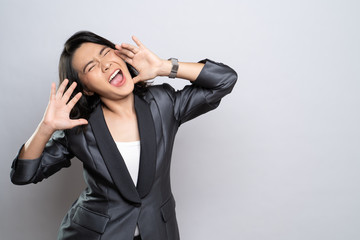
[278,160]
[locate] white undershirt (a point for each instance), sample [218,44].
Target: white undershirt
[130,151]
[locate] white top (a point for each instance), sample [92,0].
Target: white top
[130,151]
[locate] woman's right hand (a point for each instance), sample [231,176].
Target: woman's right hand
[57,114]
[56,117]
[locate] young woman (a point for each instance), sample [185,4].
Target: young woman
[123,131]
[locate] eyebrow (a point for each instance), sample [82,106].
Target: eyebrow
[100,53]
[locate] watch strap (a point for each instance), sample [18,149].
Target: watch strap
[175,67]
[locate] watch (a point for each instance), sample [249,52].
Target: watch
[175,67]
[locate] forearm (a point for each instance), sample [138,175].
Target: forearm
[188,71]
[34,147]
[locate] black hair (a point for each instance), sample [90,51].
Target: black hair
[85,106]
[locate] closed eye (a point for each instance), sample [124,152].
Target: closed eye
[91,62]
[107,52]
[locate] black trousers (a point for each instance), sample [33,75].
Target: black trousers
[137,237]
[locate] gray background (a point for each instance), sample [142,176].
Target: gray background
[282,158]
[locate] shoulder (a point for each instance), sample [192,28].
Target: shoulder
[160,92]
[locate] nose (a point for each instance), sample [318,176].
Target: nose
[105,66]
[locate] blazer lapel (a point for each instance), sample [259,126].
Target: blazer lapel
[148,146]
[113,159]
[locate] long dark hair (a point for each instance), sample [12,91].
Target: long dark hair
[86,104]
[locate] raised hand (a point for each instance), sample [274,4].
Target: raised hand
[57,114]
[146,62]
[56,117]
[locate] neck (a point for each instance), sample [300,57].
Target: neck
[123,107]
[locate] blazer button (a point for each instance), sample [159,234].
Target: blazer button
[137,204]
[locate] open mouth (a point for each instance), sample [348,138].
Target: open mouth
[117,78]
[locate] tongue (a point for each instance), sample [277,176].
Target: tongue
[117,79]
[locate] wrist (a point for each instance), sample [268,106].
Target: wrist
[45,129]
[165,68]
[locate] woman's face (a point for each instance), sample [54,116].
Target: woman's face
[102,71]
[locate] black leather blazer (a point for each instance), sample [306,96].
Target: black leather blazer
[111,205]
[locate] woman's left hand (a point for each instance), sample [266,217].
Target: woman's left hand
[145,62]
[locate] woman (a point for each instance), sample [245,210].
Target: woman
[123,131]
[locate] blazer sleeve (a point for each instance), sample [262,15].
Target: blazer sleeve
[214,82]
[54,157]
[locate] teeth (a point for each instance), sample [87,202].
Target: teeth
[114,74]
